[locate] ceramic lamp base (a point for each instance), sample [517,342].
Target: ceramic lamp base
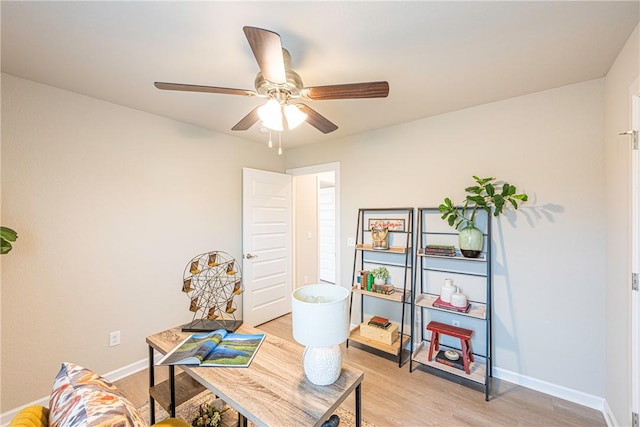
[322,365]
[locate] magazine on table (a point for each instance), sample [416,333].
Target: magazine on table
[217,348]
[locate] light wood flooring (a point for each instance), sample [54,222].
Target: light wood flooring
[393,396]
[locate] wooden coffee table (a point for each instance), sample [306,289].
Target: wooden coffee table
[272,391]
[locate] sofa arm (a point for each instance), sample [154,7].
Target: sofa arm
[31,416]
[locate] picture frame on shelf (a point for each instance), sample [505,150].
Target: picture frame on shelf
[391,224]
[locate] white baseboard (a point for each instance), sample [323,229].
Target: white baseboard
[609,418]
[6,417]
[584,399]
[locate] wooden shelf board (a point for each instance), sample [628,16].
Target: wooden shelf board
[396,296]
[478,366]
[477,310]
[392,249]
[186,388]
[393,349]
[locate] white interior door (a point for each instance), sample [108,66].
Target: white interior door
[266,245]
[326,234]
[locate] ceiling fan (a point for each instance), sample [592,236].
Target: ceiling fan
[280,85]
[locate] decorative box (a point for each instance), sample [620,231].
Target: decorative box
[385,336]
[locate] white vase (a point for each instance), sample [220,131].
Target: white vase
[447,290]
[458,299]
[379,281]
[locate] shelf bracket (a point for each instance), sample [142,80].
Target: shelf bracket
[635,421]
[634,281]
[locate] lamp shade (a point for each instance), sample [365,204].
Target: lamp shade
[320,315]
[271,115]
[294,116]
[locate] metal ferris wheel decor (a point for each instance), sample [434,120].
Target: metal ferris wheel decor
[212,280]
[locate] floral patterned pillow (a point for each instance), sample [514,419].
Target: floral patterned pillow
[80,397]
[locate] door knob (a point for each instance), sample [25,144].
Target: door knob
[249,256]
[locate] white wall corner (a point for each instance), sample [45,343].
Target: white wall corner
[575,396]
[609,417]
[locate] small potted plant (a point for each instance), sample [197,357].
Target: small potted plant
[208,416]
[486,196]
[380,275]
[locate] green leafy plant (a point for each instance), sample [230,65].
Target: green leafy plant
[207,416]
[380,273]
[486,195]
[7,236]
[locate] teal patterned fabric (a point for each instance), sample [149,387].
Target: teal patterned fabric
[80,397]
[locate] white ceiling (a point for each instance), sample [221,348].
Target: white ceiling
[437,56]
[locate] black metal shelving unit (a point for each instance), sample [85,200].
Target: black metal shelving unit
[397,258]
[473,276]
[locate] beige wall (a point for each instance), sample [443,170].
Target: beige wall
[623,73]
[110,204]
[549,259]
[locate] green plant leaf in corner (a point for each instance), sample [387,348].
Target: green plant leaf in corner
[7,235]
[5,247]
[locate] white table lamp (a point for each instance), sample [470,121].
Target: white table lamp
[320,319]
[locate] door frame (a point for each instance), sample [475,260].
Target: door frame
[313,170]
[634,92]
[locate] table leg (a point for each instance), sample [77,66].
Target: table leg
[358,406]
[172,388]
[152,402]
[242,420]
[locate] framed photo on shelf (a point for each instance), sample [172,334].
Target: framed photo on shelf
[392,224]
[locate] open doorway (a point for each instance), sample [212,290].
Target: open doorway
[327,227]
[316,224]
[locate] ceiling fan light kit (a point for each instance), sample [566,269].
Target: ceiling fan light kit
[273,115]
[281,85]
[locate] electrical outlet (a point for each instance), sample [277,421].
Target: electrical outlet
[455,322]
[114,338]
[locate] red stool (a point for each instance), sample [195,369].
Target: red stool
[463,334]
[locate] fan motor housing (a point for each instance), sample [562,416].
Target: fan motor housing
[291,87]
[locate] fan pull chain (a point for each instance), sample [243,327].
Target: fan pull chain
[279,143]
[270,142]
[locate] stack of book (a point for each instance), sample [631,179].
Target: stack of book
[455,363]
[441,250]
[379,322]
[448,306]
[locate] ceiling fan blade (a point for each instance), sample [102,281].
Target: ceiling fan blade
[347,91]
[267,49]
[248,120]
[197,88]
[317,120]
